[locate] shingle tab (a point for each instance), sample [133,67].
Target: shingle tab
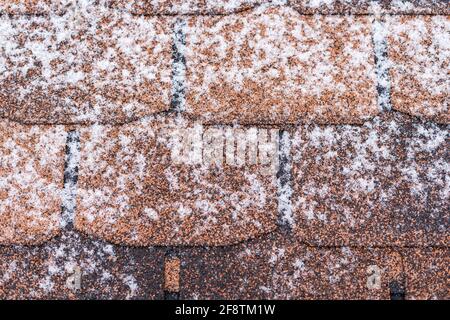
[335,273]
[275,66]
[159,182]
[31,181]
[101,270]
[385,183]
[274,267]
[419,51]
[89,65]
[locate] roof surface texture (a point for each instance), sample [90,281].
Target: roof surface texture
[243,149]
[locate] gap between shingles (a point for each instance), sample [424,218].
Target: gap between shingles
[381,64]
[178,101]
[284,182]
[71,166]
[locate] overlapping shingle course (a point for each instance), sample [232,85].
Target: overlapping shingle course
[255,70]
[99,64]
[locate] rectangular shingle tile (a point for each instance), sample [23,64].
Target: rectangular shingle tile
[75,267]
[383,183]
[92,64]
[172,7]
[427,273]
[273,267]
[335,273]
[232,272]
[31,181]
[167,181]
[272,65]
[419,51]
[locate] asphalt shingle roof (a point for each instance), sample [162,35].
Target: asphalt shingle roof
[224,149]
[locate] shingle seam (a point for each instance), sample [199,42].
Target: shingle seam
[208,247]
[284,182]
[71,166]
[178,101]
[381,64]
[176,249]
[178,246]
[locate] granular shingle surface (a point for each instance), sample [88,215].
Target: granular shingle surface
[275,66]
[419,51]
[91,64]
[31,166]
[139,185]
[276,267]
[238,149]
[105,271]
[427,273]
[382,183]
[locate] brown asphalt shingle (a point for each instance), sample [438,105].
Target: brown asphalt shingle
[20,7]
[419,51]
[427,273]
[172,7]
[371,7]
[172,274]
[276,66]
[276,267]
[91,65]
[416,6]
[332,6]
[135,188]
[106,271]
[31,167]
[384,183]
